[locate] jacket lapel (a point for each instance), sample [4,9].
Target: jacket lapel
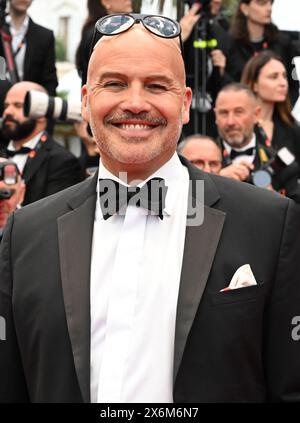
[75,230]
[33,164]
[201,242]
[30,46]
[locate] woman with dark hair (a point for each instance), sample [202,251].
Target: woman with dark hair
[96,10]
[266,75]
[252,31]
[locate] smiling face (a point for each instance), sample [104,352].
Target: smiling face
[272,85]
[136,100]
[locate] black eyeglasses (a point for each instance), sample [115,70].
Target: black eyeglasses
[116,24]
[9,172]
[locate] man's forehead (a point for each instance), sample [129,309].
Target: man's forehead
[136,37]
[234,98]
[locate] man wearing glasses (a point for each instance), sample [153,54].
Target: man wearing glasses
[12,190]
[145,303]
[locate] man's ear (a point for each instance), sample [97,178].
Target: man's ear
[188,96]
[257,113]
[84,104]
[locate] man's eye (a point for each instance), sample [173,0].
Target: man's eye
[114,84]
[157,87]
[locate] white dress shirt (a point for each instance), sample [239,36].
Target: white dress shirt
[21,159]
[245,157]
[135,274]
[17,38]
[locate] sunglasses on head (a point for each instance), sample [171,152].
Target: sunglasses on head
[116,24]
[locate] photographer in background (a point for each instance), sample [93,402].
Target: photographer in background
[45,166]
[33,47]
[245,152]
[200,26]
[252,31]
[12,190]
[216,11]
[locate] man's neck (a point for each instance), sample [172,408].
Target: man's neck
[17,19]
[256,31]
[130,173]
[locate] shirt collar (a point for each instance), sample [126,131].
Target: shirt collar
[30,144]
[23,28]
[252,144]
[173,172]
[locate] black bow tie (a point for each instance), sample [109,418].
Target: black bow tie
[113,196]
[22,150]
[235,153]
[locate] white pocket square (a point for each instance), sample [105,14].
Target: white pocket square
[243,277]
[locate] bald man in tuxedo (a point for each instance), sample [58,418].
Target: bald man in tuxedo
[143,305]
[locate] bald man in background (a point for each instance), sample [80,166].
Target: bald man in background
[203,152]
[46,167]
[149,302]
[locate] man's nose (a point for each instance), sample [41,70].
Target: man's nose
[8,111]
[231,119]
[206,167]
[135,100]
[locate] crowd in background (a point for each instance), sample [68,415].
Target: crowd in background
[241,123]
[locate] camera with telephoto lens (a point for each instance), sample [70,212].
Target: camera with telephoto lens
[278,171]
[38,104]
[9,174]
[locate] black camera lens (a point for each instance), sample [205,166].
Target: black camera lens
[5,194]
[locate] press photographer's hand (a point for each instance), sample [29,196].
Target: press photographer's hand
[238,171]
[219,60]
[189,20]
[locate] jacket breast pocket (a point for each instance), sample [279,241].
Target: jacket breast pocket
[249,293]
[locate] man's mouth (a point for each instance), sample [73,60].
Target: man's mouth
[136,126]
[133,128]
[9,123]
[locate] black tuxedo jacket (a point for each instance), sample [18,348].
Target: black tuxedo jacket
[229,346]
[39,64]
[52,169]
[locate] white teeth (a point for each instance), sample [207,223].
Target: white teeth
[134,126]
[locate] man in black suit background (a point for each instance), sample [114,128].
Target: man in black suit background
[33,47]
[146,306]
[46,167]
[245,148]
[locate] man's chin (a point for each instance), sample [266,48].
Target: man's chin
[235,142]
